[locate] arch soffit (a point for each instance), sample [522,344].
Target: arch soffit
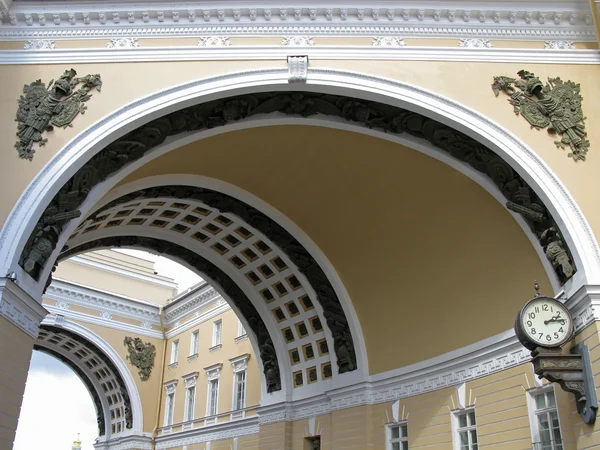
[115,368]
[529,165]
[533,170]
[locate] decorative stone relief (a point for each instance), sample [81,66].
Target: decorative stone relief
[105,315]
[141,356]
[213,372]
[42,108]
[298,41]
[170,386]
[475,43]
[39,44]
[240,363]
[560,45]
[297,69]
[214,41]
[123,43]
[190,379]
[555,105]
[388,41]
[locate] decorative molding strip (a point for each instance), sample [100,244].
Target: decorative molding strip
[475,43]
[571,19]
[245,53]
[298,41]
[214,41]
[180,328]
[192,302]
[104,302]
[103,322]
[125,443]
[585,306]
[388,41]
[39,44]
[19,308]
[560,45]
[123,43]
[219,431]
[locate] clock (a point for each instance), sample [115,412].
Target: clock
[543,322]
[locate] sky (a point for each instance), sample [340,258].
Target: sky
[56,403]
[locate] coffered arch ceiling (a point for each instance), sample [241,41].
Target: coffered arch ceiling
[101,377]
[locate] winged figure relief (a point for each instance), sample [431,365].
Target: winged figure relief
[42,107]
[555,105]
[140,355]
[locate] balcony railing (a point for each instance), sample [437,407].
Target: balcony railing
[547,445]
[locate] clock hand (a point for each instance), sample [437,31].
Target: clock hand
[554,319]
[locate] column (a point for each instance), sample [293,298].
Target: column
[20,316]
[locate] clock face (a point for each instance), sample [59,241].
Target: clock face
[545,322]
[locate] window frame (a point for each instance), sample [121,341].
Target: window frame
[534,412]
[194,342]
[236,375]
[209,397]
[217,333]
[241,331]
[389,441]
[174,352]
[186,413]
[457,429]
[170,398]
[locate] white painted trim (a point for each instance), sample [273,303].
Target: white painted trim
[198,320]
[126,273]
[19,308]
[270,53]
[122,367]
[225,430]
[459,18]
[125,443]
[101,321]
[177,310]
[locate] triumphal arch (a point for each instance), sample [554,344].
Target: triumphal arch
[373,188]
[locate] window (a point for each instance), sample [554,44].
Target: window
[241,330]
[190,401]
[466,431]
[546,426]
[174,351]
[239,390]
[213,397]
[398,436]
[217,331]
[170,409]
[194,343]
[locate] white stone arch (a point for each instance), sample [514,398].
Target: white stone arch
[115,358]
[523,159]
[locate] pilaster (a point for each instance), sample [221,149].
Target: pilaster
[20,316]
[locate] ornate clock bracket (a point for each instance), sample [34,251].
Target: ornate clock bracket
[573,372]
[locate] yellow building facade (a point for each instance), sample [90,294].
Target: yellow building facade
[362,185]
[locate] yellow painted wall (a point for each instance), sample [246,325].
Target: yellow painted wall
[424,244]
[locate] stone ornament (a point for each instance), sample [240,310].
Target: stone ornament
[475,43]
[555,105]
[559,45]
[141,356]
[42,108]
[214,41]
[297,69]
[298,41]
[39,44]
[388,41]
[123,43]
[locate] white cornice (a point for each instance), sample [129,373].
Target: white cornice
[19,308]
[73,293]
[533,19]
[218,310]
[178,309]
[261,53]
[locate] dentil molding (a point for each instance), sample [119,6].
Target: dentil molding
[528,19]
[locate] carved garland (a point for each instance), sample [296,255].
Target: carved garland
[216,277]
[520,197]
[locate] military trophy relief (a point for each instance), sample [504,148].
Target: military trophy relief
[42,108]
[544,325]
[555,105]
[141,356]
